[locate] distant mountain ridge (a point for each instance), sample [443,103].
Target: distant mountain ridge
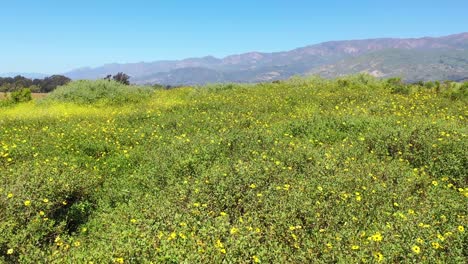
[31,75]
[426,58]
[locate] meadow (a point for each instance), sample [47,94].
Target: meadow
[354,170]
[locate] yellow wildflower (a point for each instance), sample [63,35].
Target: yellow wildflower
[377,237]
[379,256]
[234,230]
[416,249]
[436,245]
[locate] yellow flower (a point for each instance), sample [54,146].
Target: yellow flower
[355,247]
[253,186]
[441,237]
[416,249]
[234,230]
[27,203]
[379,256]
[10,251]
[255,259]
[436,245]
[133,221]
[223,251]
[10,195]
[119,260]
[173,235]
[377,237]
[435,183]
[420,240]
[461,229]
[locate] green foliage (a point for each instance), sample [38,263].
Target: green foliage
[122,78]
[45,85]
[396,85]
[101,92]
[457,92]
[298,171]
[20,96]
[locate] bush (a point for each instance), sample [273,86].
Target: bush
[101,91]
[397,86]
[20,96]
[458,92]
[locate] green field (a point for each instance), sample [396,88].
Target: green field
[300,171]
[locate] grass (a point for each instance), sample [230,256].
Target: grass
[306,170]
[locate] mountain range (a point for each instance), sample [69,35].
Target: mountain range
[31,75]
[413,59]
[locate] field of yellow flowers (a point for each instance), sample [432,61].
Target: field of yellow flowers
[298,171]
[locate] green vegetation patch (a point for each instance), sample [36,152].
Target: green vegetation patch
[354,170]
[100,92]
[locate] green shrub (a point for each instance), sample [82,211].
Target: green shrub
[101,92]
[397,86]
[20,96]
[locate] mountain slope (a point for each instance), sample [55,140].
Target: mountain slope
[414,65]
[334,58]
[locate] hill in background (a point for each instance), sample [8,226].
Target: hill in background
[414,59]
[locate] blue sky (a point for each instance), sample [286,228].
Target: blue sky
[54,36]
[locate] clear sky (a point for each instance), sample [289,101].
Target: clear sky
[54,36]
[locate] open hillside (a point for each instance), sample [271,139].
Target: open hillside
[354,170]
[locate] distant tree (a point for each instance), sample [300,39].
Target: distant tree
[21,82]
[108,77]
[50,83]
[37,82]
[35,88]
[4,88]
[122,78]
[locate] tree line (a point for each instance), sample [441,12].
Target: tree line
[46,85]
